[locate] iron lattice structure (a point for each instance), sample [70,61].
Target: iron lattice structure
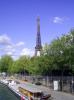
[38,46]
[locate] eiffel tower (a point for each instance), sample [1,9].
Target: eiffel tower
[38,46]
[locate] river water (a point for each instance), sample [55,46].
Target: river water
[7,94]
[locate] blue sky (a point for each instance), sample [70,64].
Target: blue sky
[18,23]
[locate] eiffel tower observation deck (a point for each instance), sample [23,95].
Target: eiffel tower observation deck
[38,46]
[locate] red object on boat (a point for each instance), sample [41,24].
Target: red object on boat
[22,98]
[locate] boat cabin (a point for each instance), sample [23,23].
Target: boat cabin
[32,92]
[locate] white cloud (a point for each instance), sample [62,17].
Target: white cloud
[9,53]
[13,49]
[58,20]
[9,47]
[4,39]
[20,43]
[9,50]
[27,51]
[15,57]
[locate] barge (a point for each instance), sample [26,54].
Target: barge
[26,91]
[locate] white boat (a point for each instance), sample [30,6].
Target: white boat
[27,91]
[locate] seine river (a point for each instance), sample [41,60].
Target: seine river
[6,94]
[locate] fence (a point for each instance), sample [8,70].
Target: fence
[65,83]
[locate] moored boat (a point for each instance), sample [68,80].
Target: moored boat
[32,92]
[27,91]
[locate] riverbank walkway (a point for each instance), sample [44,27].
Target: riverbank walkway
[56,95]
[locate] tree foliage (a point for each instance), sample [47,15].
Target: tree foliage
[5,63]
[56,56]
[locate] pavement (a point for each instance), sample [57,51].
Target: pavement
[61,96]
[57,95]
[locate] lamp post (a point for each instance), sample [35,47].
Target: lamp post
[61,81]
[72,41]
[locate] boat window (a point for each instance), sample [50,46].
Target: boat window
[37,94]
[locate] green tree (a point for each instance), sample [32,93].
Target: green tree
[61,51]
[5,63]
[21,65]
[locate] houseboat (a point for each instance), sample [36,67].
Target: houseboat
[32,92]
